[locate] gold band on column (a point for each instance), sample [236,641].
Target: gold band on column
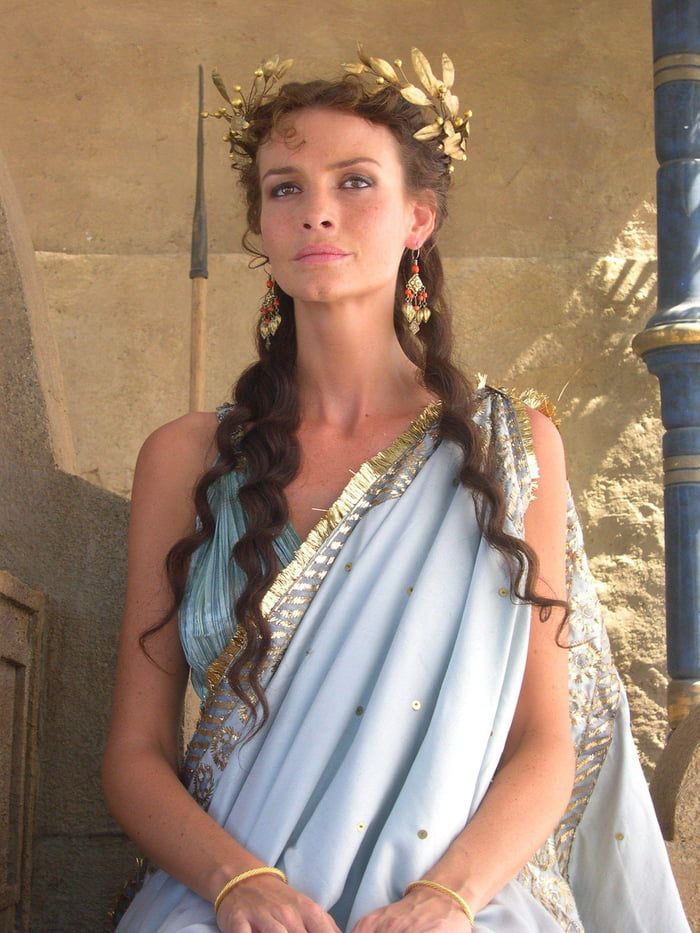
[681,66]
[666,335]
[681,697]
[684,468]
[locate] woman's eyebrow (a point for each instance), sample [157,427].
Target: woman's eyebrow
[288,169]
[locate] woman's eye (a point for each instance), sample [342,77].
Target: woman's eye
[352,181]
[279,190]
[363,182]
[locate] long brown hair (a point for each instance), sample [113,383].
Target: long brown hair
[260,427]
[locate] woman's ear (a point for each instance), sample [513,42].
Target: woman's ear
[423,214]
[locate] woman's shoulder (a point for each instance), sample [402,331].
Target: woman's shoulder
[183,447]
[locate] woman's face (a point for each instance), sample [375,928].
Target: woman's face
[336,183]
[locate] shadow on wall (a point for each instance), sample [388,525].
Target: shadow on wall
[65,540]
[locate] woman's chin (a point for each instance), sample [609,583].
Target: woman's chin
[321,294]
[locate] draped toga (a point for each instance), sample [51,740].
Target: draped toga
[395,667]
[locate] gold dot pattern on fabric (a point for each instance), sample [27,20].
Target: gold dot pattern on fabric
[348,566]
[517,474]
[410,590]
[619,836]
[359,710]
[503,591]
[385,476]
[416,704]
[422,833]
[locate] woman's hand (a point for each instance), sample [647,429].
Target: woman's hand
[265,904]
[422,910]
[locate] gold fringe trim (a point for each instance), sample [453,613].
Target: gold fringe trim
[529,398]
[367,474]
[218,666]
[525,427]
[534,399]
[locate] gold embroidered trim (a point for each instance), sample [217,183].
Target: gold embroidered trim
[529,398]
[520,409]
[217,668]
[368,473]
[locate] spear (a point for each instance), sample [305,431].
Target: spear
[198,271]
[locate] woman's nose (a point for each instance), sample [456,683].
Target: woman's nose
[317,211]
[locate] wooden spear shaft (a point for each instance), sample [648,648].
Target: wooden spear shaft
[199,272]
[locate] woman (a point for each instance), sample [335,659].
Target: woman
[380,586]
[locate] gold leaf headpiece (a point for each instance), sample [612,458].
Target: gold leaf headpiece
[448,125]
[270,71]
[436,94]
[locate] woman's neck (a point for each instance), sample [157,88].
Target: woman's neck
[350,364]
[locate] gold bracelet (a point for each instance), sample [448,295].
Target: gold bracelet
[445,890]
[263,870]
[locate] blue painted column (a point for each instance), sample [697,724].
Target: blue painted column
[670,342]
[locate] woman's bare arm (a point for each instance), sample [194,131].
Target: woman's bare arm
[533,784]
[139,770]
[141,786]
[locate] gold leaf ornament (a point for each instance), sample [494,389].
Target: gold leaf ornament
[354,68]
[453,145]
[258,87]
[269,67]
[414,95]
[283,68]
[448,125]
[264,77]
[365,59]
[422,68]
[444,123]
[431,131]
[448,71]
[452,104]
[384,70]
[220,86]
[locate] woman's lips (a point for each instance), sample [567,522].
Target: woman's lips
[322,257]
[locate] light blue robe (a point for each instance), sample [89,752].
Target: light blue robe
[396,666]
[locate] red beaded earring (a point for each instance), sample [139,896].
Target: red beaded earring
[415,308]
[270,318]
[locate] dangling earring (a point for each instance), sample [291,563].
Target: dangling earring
[415,308]
[270,318]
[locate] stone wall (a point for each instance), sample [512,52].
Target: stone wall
[62,548]
[550,252]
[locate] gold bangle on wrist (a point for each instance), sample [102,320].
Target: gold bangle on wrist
[263,870]
[445,890]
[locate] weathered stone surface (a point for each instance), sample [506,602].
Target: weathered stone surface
[686,844]
[122,323]
[21,667]
[551,272]
[561,146]
[66,539]
[675,789]
[78,881]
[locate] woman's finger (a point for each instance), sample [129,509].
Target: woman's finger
[319,921]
